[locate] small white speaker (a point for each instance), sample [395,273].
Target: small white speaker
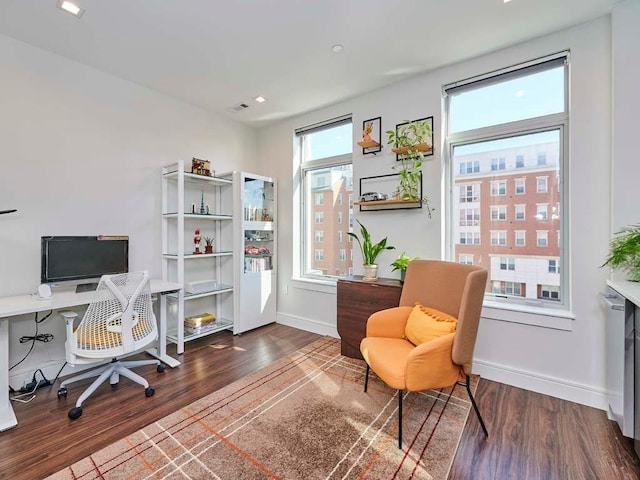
[44,291]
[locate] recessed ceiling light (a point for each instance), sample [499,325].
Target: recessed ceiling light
[260,99]
[337,48]
[506,1]
[71,8]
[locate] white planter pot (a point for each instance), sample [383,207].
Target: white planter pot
[370,273]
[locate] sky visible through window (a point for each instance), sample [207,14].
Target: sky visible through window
[530,96]
[330,142]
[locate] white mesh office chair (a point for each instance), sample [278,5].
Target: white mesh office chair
[118,321]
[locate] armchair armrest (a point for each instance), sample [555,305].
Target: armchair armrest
[430,365]
[388,323]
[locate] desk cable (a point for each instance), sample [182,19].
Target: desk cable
[42,337]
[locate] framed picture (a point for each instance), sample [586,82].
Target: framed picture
[407,129]
[371,136]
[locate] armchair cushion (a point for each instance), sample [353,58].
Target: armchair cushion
[426,323]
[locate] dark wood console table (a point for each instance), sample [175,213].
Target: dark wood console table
[357,300]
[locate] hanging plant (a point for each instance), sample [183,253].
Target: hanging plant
[411,139]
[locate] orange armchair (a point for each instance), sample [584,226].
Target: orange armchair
[452,288]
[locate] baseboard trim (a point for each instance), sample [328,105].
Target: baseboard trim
[308,325]
[547,385]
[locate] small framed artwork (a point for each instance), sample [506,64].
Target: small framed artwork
[371,136]
[415,135]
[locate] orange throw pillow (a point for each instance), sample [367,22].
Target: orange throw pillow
[426,323]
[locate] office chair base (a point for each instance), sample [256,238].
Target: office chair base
[110,372]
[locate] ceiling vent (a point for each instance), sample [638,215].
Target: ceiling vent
[238,108]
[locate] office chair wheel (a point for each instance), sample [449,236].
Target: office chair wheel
[62,392]
[75,412]
[149,391]
[161,367]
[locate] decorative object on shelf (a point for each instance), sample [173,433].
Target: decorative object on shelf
[401,263]
[368,202]
[371,134]
[201,167]
[208,244]
[197,324]
[196,242]
[370,252]
[624,252]
[203,210]
[412,139]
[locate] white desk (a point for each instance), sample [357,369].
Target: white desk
[23,304]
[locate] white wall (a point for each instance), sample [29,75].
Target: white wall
[565,363]
[626,105]
[81,154]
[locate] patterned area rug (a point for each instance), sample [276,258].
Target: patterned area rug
[304,417]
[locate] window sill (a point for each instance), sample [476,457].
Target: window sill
[314,284]
[529,315]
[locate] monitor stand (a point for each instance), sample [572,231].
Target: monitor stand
[86,287]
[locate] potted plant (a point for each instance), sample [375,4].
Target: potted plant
[401,263]
[370,252]
[208,244]
[410,140]
[624,252]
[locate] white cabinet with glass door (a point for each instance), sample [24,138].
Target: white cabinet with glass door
[255,208]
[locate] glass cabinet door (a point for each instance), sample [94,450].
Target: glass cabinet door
[259,210]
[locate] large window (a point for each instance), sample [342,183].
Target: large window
[326,179]
[514,124]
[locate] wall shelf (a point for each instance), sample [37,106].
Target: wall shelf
[385,183]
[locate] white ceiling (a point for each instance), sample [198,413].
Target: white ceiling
[216,54]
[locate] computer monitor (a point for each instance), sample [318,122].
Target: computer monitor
[73,259]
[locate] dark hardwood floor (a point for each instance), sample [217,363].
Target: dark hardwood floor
[532,436]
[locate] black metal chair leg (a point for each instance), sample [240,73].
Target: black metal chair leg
[366,379]
[475,407]
[400,419]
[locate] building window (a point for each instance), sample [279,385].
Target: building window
[465,259]
[339,236]
[339,217]
[469,167]
[541,238]
[507,288]
[343,254]
[521,142]
[469,216]
[498,212]
[498,188]
[469,193]
[542,210]
[541,184]
[542,159]
[469,238]
[325,155]
[553,266]
[350,201]
[549,292]
[507,263]
[498,164]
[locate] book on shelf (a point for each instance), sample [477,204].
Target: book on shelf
[200,320]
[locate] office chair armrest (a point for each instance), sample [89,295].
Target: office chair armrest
[430,365]
[388,323]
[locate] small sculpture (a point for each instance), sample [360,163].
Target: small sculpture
[366,133]
[196,242]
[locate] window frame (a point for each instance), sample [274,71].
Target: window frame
[550,122]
